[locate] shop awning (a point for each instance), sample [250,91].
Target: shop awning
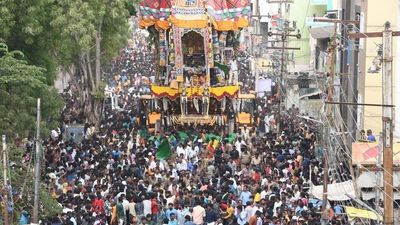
[336,192]
[322,32]
[353,212]
[308,92]
[368,179]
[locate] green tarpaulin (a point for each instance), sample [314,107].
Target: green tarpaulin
[230,138]
[182,136]
[164,150]
[210,137]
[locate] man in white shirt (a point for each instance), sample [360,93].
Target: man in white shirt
[238,145]
[245,133]
[180,150]
[267,121]
[181,165]
[146,206]
[233,78]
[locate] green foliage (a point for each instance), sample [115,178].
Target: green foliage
[20,85]
[99,92]
[130,6]
[78,21]
[53,33]
[25,26]
[58,34]
[22,181]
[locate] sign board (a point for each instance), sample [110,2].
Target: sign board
[367,153]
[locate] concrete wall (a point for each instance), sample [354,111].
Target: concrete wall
[301,11]
[312,107]
[376,15]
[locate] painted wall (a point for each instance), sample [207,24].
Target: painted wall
[302,12]
[377,14]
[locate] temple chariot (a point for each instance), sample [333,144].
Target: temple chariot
[196,43]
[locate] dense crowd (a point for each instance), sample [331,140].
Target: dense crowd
[113,177]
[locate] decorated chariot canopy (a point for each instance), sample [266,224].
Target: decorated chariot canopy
[224,15]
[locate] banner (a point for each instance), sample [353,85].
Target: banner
[216,92]
[229,14]
[154,12]
[224,14]
[163,47]
[178,51]
[367,153]
[188,14]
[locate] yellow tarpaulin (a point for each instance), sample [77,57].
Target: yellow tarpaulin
[362,213]
[153,117]
[244,118]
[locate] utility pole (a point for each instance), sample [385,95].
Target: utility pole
[387,119]
[387,116]
[284,35]
[332,67]
[5,182]
[324,215]
[35,219]
[329,111]
[378,174]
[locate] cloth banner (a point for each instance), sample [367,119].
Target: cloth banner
[336,191]
[210,48]
[216,92]
[215,45]
[155,12]
[224,14]
[188,14]
[229,14]
[206,39]
[163,47]
[178,51]
[264,85]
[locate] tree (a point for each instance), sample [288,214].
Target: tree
[80,34]
[20,85]
[95,30]
[25,25]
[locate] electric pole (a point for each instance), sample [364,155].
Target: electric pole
[329,111]
[286,32]
[387,116]
[5,182]
[387,119]
[332,50]
[35,219]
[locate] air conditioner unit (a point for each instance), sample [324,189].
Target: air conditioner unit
[331,15]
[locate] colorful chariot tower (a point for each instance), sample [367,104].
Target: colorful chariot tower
[197,80]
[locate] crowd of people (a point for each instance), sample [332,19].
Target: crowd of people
[112,176]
